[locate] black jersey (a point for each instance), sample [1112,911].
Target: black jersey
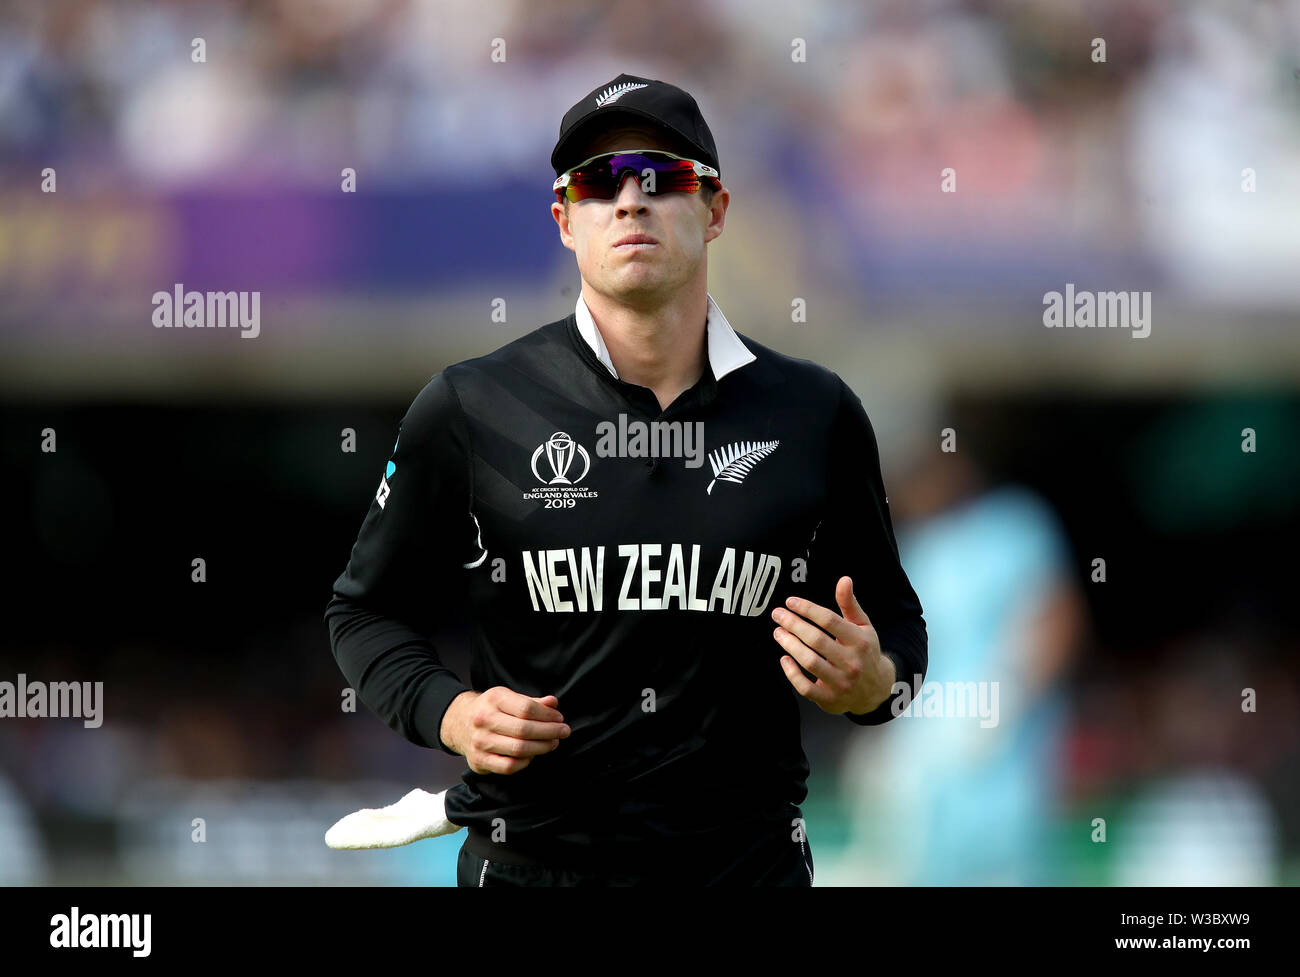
[626,559]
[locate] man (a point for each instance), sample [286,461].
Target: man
[641,623]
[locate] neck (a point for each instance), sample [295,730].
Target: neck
[663,347]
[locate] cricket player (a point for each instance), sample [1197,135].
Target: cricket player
[666,533]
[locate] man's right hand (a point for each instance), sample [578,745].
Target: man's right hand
[500,731]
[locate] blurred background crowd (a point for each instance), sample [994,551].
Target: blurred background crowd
[1164,159]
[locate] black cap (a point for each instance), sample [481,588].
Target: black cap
[627,100]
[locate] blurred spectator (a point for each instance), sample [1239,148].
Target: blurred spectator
[1207,828]
[952,800]
[22,851]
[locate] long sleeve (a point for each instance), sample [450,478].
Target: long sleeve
[856,537]
[409,562]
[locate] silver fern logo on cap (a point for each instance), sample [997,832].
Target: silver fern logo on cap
[733,463]
[614,92]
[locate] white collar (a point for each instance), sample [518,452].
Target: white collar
[726,350]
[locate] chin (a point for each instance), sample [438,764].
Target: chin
[639,290]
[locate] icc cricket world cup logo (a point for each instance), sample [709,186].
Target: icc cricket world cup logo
[560,452]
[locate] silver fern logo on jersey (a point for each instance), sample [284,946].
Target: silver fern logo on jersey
[561,484]
[614,92]
[736,460]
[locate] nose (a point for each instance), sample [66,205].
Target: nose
[630,197]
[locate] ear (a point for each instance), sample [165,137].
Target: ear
[562,221]
[717,215]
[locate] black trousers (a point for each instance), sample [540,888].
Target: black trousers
[779,857]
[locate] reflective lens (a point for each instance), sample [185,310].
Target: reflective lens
[657,172]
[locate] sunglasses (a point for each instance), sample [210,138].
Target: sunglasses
[659,172]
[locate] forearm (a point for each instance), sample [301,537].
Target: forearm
[395,670]
[453,727]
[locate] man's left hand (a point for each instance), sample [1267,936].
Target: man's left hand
[852,675]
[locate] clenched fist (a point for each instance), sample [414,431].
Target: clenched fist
[500,731]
